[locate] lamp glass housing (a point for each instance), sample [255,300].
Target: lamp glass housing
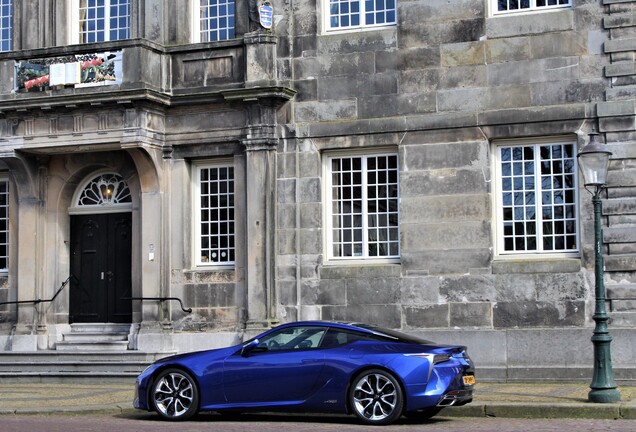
[594,166]
[594,162]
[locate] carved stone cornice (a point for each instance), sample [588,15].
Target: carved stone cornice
[260,144]
[274,95]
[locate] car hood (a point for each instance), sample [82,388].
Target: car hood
[211,353]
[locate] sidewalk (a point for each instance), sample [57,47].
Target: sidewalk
[521,400]
[491,399]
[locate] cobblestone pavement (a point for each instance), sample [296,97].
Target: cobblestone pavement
[61,397]
[517,400]
[543,393]
[276,423]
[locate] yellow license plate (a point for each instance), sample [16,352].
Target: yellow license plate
[469,380]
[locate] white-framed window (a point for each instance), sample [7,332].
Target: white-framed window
[213,20]
[4,224]
[362,206]
[99,20]
[359,14]
[537,198]
[214,212]
[6,31]
[515,6]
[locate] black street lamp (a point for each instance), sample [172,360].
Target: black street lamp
[594,163]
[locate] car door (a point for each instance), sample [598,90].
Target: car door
[284,368]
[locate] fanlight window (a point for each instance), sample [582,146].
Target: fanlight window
[105,190]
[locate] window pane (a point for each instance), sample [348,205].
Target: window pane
[365,219]
[6,16]
[4,224]
[104,20]
[549,204]
[119,19]
[216,224]
[510,6]
[559,206]
[216,20]
[361,13]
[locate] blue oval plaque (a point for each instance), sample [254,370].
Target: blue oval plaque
[265,14]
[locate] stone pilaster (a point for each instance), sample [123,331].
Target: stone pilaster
[262,96]
[617,121]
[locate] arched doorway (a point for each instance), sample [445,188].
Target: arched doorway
[101,242]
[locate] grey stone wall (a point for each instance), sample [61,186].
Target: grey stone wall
[439,88]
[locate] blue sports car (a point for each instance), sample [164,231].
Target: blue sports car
[315,366]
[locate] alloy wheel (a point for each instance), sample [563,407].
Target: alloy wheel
[376,397]
[174,395]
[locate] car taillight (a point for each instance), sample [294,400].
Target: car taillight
[436,358]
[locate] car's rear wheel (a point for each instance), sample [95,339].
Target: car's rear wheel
[376,397]
[174,395]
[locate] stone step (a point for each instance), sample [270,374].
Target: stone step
[92,345]
[73,367]
[622,262]
[85,336]
[51,356]
[62,377]
[95,337]
[100,328]
[56,366]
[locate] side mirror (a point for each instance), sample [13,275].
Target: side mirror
[249,347]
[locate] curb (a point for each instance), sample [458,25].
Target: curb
[102,410]
[614,411]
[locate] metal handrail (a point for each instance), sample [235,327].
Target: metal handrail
[161,299]
[59,290]
[38,301]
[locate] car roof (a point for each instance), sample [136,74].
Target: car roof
[361,327]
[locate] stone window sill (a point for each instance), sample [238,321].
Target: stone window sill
[536,265]
[503,26]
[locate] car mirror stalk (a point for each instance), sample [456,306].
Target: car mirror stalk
[249,347]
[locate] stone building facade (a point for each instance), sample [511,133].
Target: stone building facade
[412,166]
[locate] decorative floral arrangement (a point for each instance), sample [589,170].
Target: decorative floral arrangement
[34,74]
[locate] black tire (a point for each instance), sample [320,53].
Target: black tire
[424,414]
[376,397]
[174,395]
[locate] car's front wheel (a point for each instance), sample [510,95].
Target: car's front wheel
[376,397]
[174,395]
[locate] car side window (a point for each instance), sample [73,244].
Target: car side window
[293,339]
[335,338]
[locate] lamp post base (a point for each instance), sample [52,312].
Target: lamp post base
[606,395]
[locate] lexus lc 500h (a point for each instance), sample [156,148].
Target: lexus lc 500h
[328,367]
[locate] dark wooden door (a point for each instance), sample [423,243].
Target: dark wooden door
[101,263]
